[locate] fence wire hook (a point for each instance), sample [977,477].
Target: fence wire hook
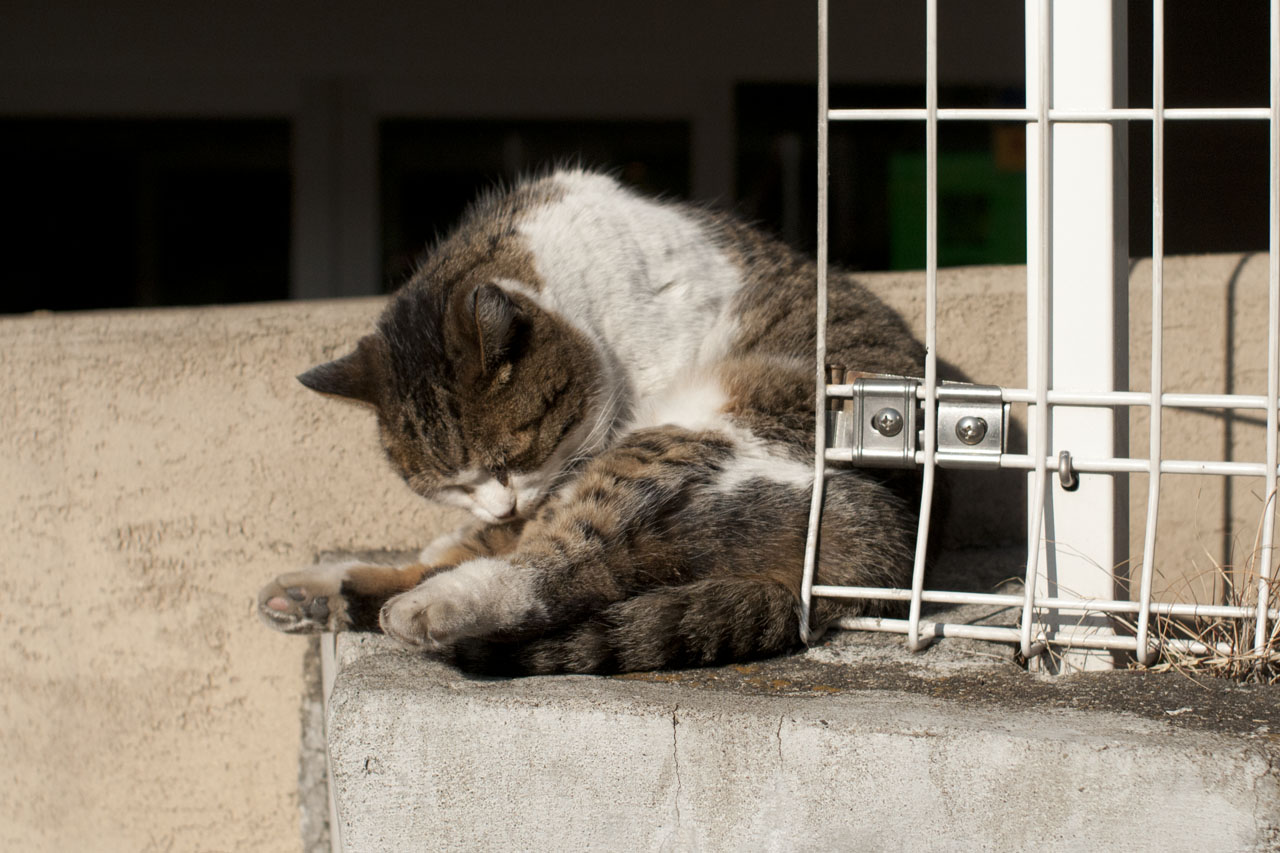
[1069,479]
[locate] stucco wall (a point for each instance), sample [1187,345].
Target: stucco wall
[158,466]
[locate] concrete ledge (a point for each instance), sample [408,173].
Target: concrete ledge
[853,745]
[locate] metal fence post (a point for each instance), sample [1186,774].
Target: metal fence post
[1083,533]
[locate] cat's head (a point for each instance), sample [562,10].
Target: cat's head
[483,398]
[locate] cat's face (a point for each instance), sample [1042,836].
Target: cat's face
[483,399]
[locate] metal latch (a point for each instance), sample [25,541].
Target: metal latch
[877,421]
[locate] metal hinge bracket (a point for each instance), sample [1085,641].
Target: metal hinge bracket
[877,421]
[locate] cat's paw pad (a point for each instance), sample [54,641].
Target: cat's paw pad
[305,602]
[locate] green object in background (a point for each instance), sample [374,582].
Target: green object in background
[981,211]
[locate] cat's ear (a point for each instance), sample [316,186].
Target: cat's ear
[359,375]
[497,322]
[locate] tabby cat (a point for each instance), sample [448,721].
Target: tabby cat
[620,390]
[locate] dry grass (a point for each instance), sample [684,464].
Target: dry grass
[1229,648]
[1229,644]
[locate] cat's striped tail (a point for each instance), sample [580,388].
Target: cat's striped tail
[705,623]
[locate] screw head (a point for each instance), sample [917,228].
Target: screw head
[887,422]
[971,430]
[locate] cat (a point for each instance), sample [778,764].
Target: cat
[620,390]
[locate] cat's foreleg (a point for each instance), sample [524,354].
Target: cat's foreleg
[335,596]
[348,596]
[471,541]
[479,597]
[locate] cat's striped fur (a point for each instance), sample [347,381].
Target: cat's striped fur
[620,390]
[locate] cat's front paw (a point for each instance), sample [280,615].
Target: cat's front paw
[418,621]
[305,602]
[477,598]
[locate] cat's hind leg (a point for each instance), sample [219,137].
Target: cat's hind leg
[707,622]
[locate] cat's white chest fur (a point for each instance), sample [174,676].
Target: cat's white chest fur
[696,402]
[641,278]
[693,401]
[652,288]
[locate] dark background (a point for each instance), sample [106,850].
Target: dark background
[173,153]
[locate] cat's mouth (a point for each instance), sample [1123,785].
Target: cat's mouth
[515,502]
[491,518]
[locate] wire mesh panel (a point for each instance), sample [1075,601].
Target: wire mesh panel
[1075,119]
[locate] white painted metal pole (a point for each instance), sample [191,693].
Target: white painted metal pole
[1085,530]
[1039,211]
[820,392]
[914,641]
[1145,653]
[1265,559]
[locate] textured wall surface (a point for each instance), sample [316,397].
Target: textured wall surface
[157,467]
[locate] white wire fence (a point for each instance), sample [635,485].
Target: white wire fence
[1075,186]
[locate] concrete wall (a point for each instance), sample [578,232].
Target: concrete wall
[1215,341]
[158,466]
